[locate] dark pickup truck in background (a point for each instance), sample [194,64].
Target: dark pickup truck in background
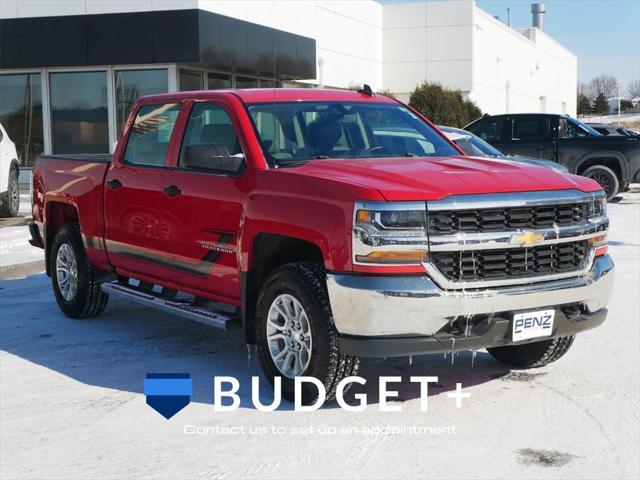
[612,161]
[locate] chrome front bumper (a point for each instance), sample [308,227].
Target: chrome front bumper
[373,306]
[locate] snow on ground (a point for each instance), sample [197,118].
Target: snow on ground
[14,238]
[72,407]
[624,117]
[15,247]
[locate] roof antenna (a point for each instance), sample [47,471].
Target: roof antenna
[366,90]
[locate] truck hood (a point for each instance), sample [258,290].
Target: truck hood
[418,178]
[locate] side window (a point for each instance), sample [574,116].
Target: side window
[489,129]
[150,134]
[573,131]
[210,125]
[531,128]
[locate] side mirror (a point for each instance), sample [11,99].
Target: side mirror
[212,157]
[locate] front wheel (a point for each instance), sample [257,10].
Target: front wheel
[72,276]
[11,204]
[607,179]
[532,355]
[295,332]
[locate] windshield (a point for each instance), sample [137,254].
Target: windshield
[472,144]
[292,132]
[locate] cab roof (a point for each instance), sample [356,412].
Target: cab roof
[265,95]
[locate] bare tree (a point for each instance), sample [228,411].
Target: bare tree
[633,89]
[584,89]
[604,84]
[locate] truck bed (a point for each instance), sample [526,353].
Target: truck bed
[70,188]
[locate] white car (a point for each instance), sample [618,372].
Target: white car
[9,171]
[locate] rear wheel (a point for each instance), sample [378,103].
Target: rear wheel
[607,179]
[295,333]
[532,355]
[72,276]
[11,203]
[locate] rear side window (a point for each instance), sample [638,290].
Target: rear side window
[150,134]
[531,128]
[209,124]
[489,129]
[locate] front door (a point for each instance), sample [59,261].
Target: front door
[137,225]
[208,206]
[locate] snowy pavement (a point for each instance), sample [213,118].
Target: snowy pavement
[14,247]
[14,239]
[72,407]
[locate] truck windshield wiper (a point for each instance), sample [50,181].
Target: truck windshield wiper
[294,163]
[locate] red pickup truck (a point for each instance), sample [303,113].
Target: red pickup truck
[329,226]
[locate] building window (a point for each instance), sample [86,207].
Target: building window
[79,118]
[217,81]
[21,114]
[190,80]
[132,84]
[246,82]
[269,83]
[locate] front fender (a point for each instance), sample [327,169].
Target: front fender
[604,154]
[324,223]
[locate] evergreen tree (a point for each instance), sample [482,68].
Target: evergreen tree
[443,106]
[601,105]
[584,104]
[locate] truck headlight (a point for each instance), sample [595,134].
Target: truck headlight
[598,207]
[390,233]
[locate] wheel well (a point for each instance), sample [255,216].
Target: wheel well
[58,214]
[612,163]
[269,252]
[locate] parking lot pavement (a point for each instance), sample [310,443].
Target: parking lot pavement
[71,402]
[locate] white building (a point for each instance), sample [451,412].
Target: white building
[70,66]
[397,46]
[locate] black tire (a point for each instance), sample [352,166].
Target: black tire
[533,355]
[307,284]
[89,300]
[11,201]
[607,179]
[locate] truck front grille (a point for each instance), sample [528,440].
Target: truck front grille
[507,263]
[444,222]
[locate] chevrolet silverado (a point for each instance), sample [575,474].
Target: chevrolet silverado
[328,226]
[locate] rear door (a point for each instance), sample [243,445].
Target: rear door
[533,136]
[207,205]
[138,226]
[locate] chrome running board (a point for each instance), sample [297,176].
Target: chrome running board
[182,307]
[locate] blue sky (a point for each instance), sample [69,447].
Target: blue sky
[604,34]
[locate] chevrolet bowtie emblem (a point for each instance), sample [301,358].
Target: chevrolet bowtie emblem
[527,238]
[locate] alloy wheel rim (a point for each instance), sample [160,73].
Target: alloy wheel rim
[289,336]
[603,180]
[67,272]
[14,196]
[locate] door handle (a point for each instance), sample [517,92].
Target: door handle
[172,190]
[114,184]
